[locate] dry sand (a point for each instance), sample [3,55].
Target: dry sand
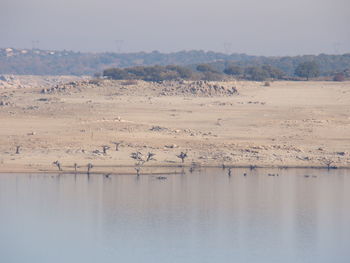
[299,124]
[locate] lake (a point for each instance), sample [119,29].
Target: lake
[206,216]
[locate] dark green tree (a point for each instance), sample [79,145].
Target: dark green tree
[206,68]
[233,70]
[308,69]
[273,72]
[256,73]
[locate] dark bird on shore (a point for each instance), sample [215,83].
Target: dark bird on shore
[244,174]
[229,172]
[107,175]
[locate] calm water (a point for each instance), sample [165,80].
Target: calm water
[201,217]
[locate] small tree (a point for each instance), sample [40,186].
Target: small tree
[105,148]
[58,164]
[137,156]
[89,167]
[18,147]
[117,144]
[150,157]
[308,69]
[182,156]
[328,163]
[141,160]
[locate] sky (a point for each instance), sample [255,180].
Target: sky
[255,27]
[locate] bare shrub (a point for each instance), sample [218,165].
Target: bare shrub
[182,156]
[339,77]
[58,164]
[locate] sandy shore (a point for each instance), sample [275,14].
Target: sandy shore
[296,124]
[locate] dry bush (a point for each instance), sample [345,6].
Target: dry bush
[339,77]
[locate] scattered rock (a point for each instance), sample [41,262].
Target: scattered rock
[172,146]
[158,128]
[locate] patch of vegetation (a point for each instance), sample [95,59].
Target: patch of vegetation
[151,73]
[308,69]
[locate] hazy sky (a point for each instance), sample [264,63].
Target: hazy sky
[260,27]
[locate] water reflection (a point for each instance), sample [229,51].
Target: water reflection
[204,216]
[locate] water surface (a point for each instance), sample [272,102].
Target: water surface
[205,216]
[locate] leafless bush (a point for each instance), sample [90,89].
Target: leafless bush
[58,164]
[117,144]
[105,148]
[141,160]
[89,167]
[328,163]
[182,156]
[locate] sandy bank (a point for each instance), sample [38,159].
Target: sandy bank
[289,124]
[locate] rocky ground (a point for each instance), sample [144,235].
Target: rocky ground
[239,123]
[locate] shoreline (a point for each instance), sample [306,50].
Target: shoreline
[166,167]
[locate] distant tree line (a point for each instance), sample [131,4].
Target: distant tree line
[45,62]
[211,72]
